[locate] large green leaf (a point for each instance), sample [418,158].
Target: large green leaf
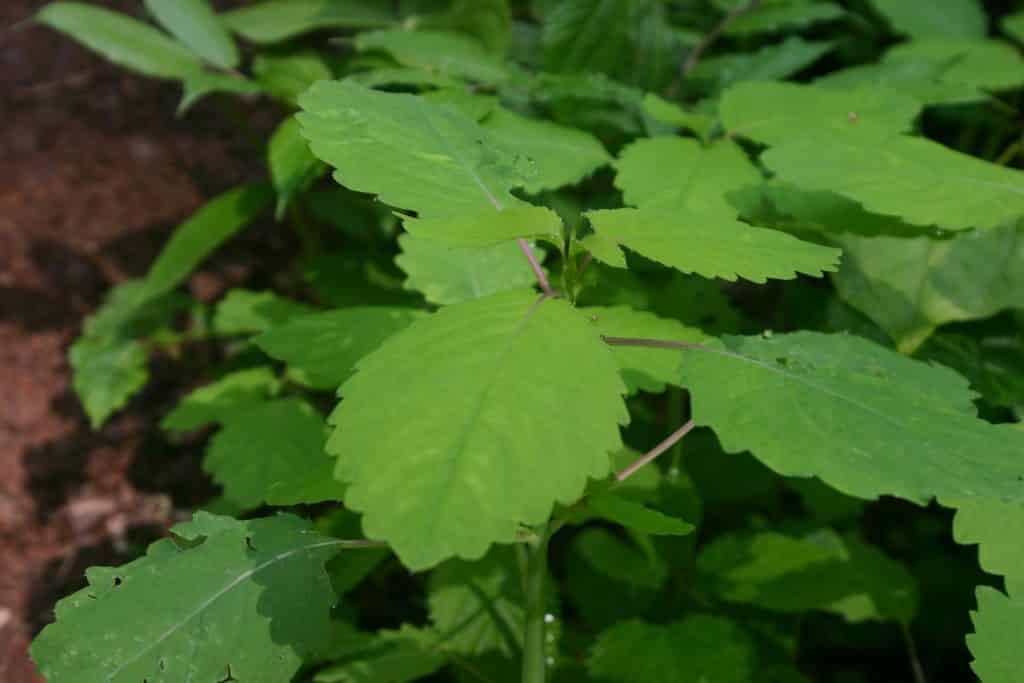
[412,154]
[774,15]
[935,19]
[815,571]
[273,453]
[997,528]
[479,607]
[865,420]
[674,171]
[984,64]
[408,654]
[323,348]
[560,155]
[485,228]
[920,77]
[770,63]
[995,643]
[196,25]
[587,35]
[1013,26]
[273,21]
[698,649]
[917,180]
[773,113]
[449,275]
[447,464]
[248,600]
[912,286]
[643,368]
[712,245]
[121,39]
[444,53]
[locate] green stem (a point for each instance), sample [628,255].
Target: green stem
[534,651]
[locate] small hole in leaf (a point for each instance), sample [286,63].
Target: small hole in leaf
[783,361]
[162,664]
[117,581]
[248,543]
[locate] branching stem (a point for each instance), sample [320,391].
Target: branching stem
[710,39]
[668,443]
[542,277]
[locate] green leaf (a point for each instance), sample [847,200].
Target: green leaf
[993,360]
[774,113]
[995,642]
[196,25]
[587,35]
[1013,26]
[643,368]
[997,527]
[288,74]
[983,64]
[670,113]
[489,21]
[447,275]
[636,516]
[561,155]
[408,654]
[273,453]
[776,15]
[218,401]
[486,393]
[936,19]
[244,311]
[323,348]
[273,21]
[121,39]
[478,607]
[293,167]
[815,571]
[108,370]
[200,85]
[414,155]
[919,77]
[208,228]
[247,599]
[770,63]
[698,649]
[712,245]
[485,228]
[865,420]
[917,180]
[910,287]
[680,172]
[444,53]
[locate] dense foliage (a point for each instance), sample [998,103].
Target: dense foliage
[777,243]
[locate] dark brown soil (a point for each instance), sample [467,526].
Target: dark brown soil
[95,171]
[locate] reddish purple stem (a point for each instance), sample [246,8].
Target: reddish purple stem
[668,443]
[542,278]
[654,343]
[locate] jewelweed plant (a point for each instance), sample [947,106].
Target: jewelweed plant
[633,314]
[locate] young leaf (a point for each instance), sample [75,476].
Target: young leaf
[408,654]
[774,15]
[680,172]
[698,649]
[218,401]
[561,155]
[204,231]
[247,599]
[288,74]
[936,19]
[292,166]
[636,516]
[449,54]
[273,453]
[917,180]
[774,113]
[121,39]
[196,25]
[447,275]
[816,571]
[995,642]
[273,21]
[865,420]
[488,388]
[414,155]
[323,348]
[108,370]
[643,368]
[910,287]
[712,245]
[244,311]
[478,607]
